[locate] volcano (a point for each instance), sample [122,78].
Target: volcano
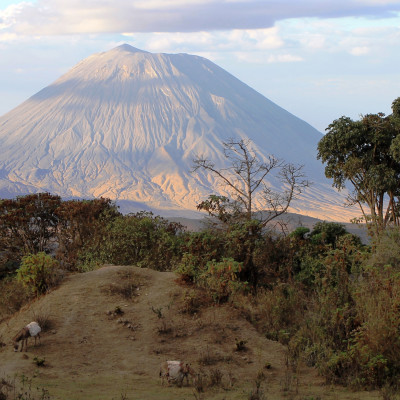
[126,124]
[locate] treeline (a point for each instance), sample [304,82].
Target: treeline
[45,223]
[333,301]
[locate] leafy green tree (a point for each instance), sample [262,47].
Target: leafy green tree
[366,154]
[300,233]
[327,232]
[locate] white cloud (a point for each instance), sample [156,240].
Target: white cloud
[377,2]
[55,17]
[284,58]
[8,37]
[359,51]
[162,4]
[261,39]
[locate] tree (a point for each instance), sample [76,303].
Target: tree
[327,232]
[246,180]
[253,203]
[142,239]
[81,221]
[28,223]
[366,154]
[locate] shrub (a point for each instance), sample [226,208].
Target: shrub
[278,312]
[198,248]
[39,362]
[216,376]
[38,272]
[189,268]
[240,344]
[376,344]
[300,233]
[387,249]
[193,300]
[88,260]
[135,239]
[23,389]
[221,279]
[82,224]
[44,320]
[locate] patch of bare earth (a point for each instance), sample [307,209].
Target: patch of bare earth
[111,328]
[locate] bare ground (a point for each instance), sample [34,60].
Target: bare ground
[92,353]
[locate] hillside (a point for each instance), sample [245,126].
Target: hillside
[90,355]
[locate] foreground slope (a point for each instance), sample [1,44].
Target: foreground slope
[91,354]
[126,124]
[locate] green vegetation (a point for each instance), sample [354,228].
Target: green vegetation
[366,155]
[38,272]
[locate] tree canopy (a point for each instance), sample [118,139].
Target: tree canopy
[366,154]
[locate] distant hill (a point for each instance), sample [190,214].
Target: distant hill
[291,220]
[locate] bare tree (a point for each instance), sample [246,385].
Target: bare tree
[246,180]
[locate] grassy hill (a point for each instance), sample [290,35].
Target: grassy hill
[110,329]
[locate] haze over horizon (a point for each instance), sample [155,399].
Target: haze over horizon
[319,59]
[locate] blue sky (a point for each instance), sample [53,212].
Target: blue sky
[319,59]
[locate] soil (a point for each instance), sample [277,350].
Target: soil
[110,329]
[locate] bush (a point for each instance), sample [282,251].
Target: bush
[198,249]
[327,232]
[221,279]
[376,344]
[387,249]
[278,312]
[135,239]
[82,223]
[38,272]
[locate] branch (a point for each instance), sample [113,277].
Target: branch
[208,165]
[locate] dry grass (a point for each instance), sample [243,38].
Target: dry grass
[13,295]
[127,285]
[210,357]
[44,320]
[86,365]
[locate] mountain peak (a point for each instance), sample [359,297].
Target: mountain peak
[126,124]
[128,48]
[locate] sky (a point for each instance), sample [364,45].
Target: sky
[318,59]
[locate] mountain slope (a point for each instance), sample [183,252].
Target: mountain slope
[126,124]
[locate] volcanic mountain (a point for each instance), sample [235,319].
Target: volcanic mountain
[126,124]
